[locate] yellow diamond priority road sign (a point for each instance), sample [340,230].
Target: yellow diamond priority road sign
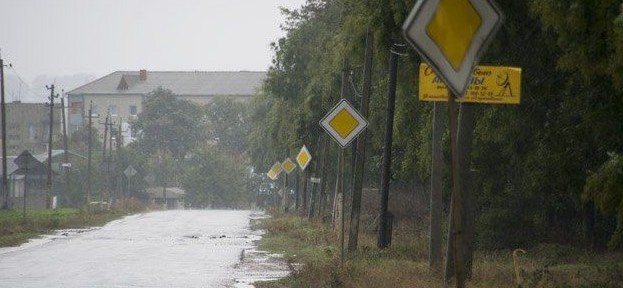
[288,165]
[451,35]
[271,174]
[276,169]
[343,123]
[303,158]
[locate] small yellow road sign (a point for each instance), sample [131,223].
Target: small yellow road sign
[489,84]
[343,123]
[451,35]
[288,165]
[276,168]
[271,174]
[303,158]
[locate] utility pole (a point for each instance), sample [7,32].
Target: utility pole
[384,237]
[5,190]
[109,163]
[361,149]
[104,161]
[324,175]
[317,201]
[313,202]
[89,158]
[340,195]
[105,136]
[110,136]
[49,182]
[66,163]
[119,141]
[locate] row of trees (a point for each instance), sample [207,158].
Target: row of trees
[181,144]
[547,170]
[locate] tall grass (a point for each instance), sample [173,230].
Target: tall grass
[315,248]
[15,228]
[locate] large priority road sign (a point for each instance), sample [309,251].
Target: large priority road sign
[451,35]
[343,123]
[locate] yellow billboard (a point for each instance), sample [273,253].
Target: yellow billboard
[489,84]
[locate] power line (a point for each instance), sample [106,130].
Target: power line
[28,88]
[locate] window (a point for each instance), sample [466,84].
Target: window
[132,109]
[32,133]
[94,111]
[112,109]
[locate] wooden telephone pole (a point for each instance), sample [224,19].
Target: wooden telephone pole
[384,237]
[89,141]
[66,164]
[361,149]
[5,190]
[51,133]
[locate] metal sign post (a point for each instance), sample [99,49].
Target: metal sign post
[129,172]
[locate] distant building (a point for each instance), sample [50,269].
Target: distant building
[36,168]
[174,197]
[122,93]
[28,126]
[27,185]
[58,158]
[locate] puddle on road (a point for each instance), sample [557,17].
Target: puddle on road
[258,265]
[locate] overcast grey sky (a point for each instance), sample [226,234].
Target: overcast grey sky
[65,37]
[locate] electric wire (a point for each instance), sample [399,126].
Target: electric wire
[28,88]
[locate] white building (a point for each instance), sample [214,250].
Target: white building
[122,93]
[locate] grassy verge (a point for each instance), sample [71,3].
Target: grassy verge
[315,249]
[16,230]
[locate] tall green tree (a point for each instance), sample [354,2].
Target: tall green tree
[169,124]
[215,179]
[531,162]
[588,42]
[228,124]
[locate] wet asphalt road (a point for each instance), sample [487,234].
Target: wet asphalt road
[192,248]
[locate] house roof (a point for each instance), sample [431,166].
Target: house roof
[10,165]
[186,83]
[172,192]
[28,164]
[43,157]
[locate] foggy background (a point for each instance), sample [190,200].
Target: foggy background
[71,42]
